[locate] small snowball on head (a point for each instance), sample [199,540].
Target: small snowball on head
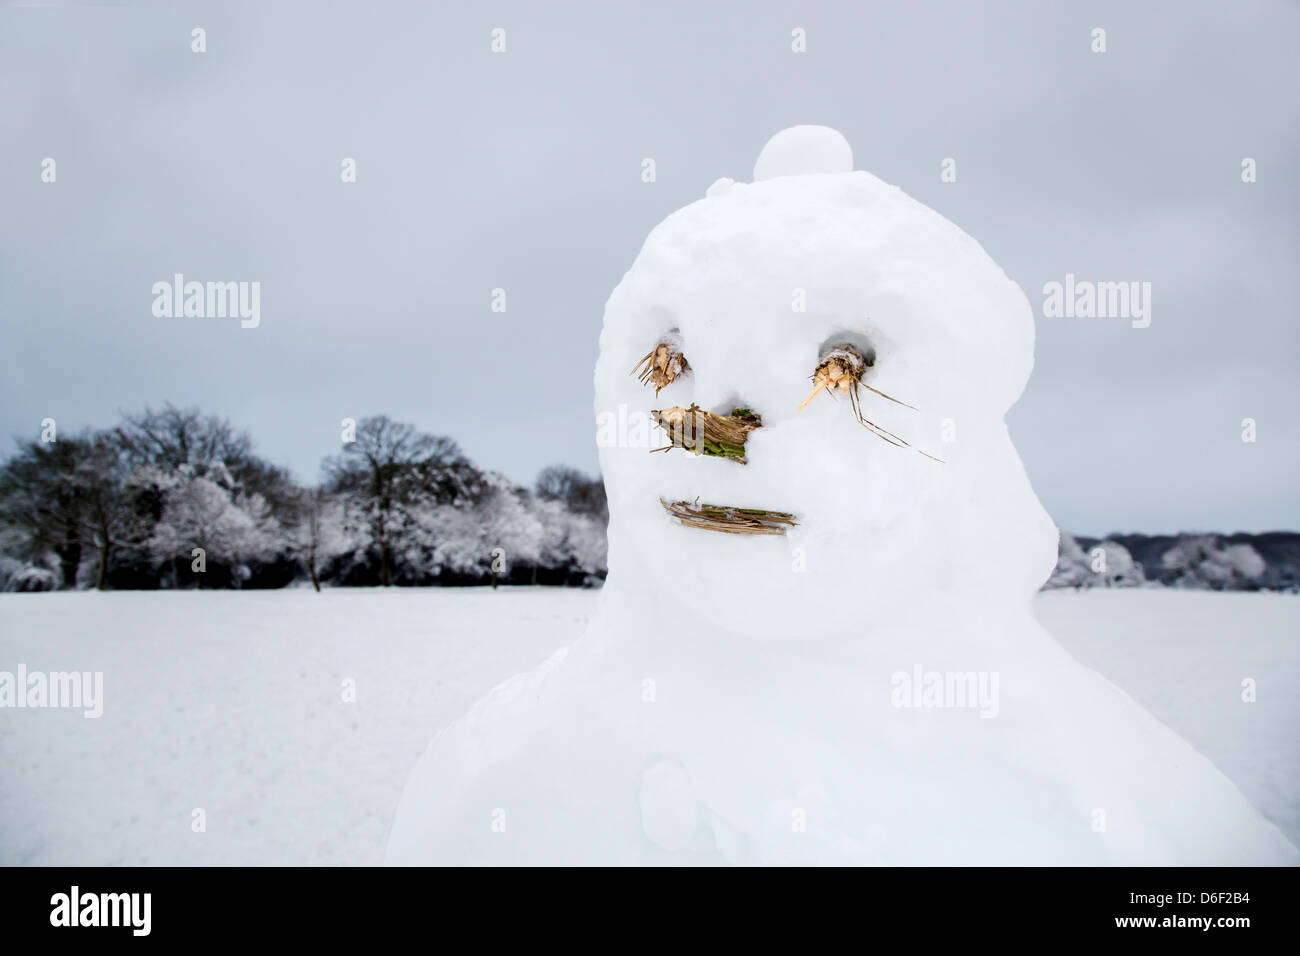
[720,187]
[801,150]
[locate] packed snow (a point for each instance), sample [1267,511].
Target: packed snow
[232,702]
[810,697]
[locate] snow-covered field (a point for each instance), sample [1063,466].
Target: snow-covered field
[233,703]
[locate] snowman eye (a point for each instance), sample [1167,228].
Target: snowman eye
[840,370]
[662,365]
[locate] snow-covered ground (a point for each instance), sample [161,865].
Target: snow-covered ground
[1183,655]
[234,703]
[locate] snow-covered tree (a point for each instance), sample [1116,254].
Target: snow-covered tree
[201,512]
[42,502]
[391,472]
[316,531]
[571,540]
[1205,561]
[461,536]
[509,523]
[1105,564]
[573,512]
[31,577]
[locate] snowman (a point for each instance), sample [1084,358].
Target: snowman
[816,643]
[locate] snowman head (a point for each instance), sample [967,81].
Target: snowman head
[751,291]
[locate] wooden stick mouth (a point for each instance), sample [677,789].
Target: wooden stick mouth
[729,520]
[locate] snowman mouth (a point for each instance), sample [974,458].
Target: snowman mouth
[728,519]
[716,436]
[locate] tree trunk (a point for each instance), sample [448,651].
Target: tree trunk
[311,567]
[103,567]
[384,576]
[69,561]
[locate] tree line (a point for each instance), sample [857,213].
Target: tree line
[175,498]
[1269,561]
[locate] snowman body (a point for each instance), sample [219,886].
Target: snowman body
[869,686]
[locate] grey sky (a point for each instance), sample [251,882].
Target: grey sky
[522,171]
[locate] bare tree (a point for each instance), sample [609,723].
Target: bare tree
[175,436]
[389,469]
[577,492]
[106,517]
[172,437]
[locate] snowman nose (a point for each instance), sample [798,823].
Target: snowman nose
[706,433]
[742,410]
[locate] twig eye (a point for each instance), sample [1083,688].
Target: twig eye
[661,366]
[840,370]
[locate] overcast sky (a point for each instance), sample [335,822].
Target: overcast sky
[522,171]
